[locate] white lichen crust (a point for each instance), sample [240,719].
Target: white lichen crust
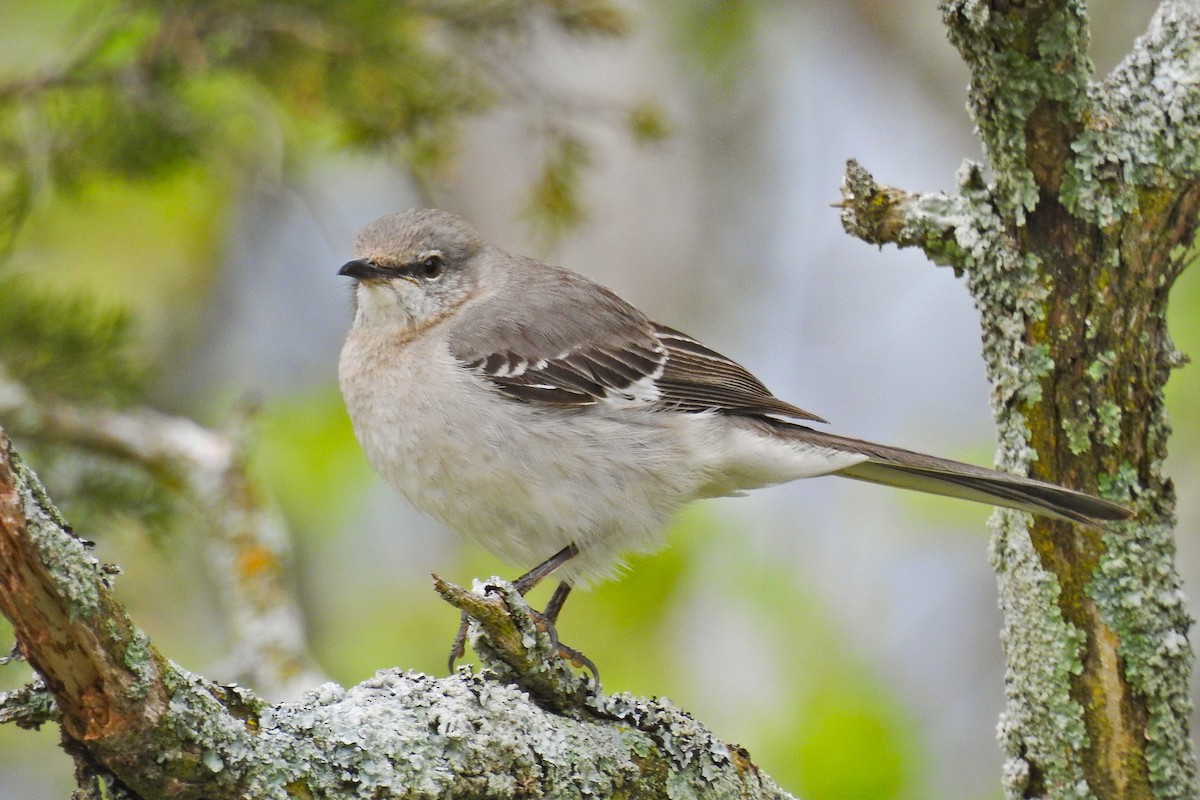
[405,734]
[1146,132]
[1140,595]
[1041,723]
[162,731]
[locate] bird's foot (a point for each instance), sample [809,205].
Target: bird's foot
[545,623]
[514,641]
[459,648]
[579,661]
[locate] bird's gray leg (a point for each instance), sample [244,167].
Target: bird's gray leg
[556,602]
[535,576]
[550,615]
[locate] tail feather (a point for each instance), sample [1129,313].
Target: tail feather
[894,466]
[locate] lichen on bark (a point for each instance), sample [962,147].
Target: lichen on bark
[1069,250]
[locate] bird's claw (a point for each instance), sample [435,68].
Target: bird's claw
[579,661]
[545,624]
[568,654]
[459,648]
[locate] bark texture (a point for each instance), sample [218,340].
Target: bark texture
[1070,250]
[245,537]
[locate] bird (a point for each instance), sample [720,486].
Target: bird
[550,422]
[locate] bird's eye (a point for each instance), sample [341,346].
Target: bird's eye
[432,266]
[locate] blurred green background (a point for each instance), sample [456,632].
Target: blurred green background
[205,177]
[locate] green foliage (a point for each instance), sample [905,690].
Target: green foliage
[92,130]
[149,247]
[554,205]
[62,347]
[66,347]
[716,34]
[648,123]
[156,87]
[595,17]
[15,193]
[97,492]
[580,17]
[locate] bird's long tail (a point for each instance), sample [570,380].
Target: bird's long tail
[894,466]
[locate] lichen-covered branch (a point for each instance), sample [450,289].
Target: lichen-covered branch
[150,729]
[1069,252]
[105,678]
[246,541]
[881,215]
[1029,77]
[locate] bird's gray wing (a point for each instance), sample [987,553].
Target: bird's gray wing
[697,378]
[571,342]
[589,372]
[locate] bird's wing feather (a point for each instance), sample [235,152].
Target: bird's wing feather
[586,374]
[574,343]
[697,378]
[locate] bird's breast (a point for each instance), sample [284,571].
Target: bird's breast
[410,413]
[517,478]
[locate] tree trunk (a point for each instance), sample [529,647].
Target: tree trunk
[1070,252]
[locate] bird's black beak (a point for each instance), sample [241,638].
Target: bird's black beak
[363,269]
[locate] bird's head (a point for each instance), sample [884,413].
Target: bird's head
[412,268]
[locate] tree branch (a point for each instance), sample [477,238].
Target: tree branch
[881,215]
[246,542]
[161,731]
[102,672]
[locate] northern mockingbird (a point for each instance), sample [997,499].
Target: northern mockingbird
[551,423]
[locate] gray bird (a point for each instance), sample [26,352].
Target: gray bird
[550,422]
